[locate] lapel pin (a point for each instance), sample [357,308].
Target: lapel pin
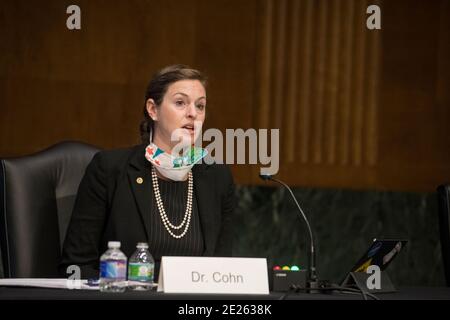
[139,180]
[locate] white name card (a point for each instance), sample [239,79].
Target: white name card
[213,275]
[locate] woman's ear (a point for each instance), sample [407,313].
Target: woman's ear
[151,109]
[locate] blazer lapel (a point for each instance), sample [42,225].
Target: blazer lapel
[203,194]
[141,184]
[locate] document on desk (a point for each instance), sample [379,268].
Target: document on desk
[48,283]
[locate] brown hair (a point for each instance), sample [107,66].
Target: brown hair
[157,88]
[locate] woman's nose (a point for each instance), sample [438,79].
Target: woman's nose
[192,111]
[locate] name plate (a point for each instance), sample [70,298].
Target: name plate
[213,275]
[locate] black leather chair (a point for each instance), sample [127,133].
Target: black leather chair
[37,194]
[444,227]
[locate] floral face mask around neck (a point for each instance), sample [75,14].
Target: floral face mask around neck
[172,167]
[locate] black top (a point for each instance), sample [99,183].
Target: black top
[174,198]
[114,203]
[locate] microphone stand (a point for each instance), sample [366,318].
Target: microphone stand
[313,282]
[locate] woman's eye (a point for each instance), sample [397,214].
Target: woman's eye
[179,103]
[201,107]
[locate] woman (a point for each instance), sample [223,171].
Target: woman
[151,192]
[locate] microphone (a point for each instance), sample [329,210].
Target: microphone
[313,282]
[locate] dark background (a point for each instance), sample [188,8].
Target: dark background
[362,113]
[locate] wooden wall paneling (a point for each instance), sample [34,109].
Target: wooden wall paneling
[356,108]
[410,147]
[328,74]
[372,98]
[332,83]
[305,85]
[88,84]
[347,81]
[443,86]
[292,83]
[226,48]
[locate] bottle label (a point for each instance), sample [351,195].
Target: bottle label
[113,269]
[140,271]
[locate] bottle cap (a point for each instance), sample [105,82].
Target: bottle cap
[114,244]
[142,245]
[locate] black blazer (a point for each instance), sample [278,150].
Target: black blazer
[111,205]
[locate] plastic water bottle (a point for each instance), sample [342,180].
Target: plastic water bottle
[141,268]
[113,269]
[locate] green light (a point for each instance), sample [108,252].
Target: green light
[295,268]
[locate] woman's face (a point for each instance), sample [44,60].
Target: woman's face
[180,115]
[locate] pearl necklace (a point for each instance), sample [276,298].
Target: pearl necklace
[165,220]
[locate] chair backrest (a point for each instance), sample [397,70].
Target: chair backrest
[444,227]
[37,194]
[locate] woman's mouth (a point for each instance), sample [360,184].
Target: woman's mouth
[189,128]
